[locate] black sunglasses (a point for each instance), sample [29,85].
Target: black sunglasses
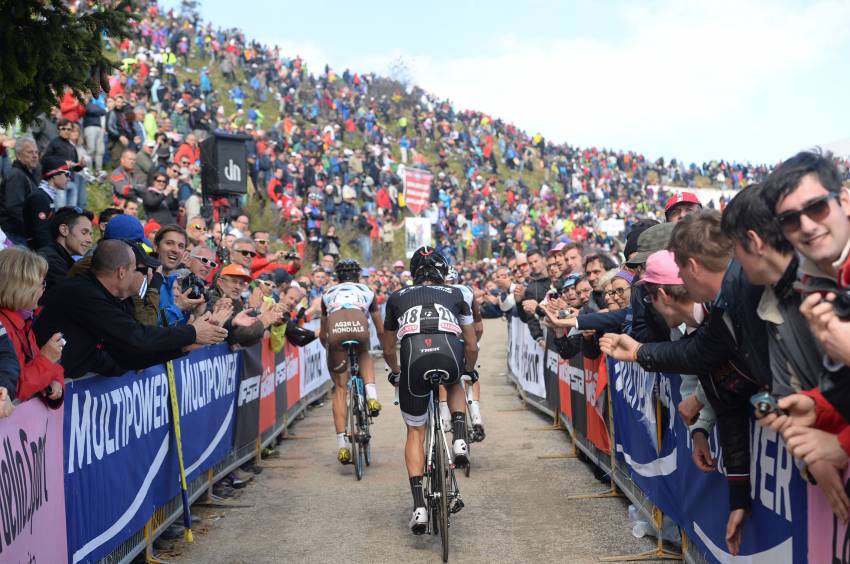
[816,210]
[244,253]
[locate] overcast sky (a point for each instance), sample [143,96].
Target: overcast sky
[741,80]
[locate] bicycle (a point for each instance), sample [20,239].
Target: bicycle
[358,419]
[471,435]
[439,484]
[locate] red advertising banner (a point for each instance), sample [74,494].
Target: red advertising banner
[32,487]
[417,189]
[293,375]
[595,394]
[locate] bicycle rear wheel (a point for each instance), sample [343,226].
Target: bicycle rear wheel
[441,470]
[470,434]
[354,430]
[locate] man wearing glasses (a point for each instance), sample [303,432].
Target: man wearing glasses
[265,262]
[243,252]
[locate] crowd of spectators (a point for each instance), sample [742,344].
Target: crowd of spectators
[593,251]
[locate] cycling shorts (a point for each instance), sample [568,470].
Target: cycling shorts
[420,353]
[348,324]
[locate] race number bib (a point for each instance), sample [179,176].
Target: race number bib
[410,322]
[447,320]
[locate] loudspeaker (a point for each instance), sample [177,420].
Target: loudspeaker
[224,165]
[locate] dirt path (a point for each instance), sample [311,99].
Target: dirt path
[308,508]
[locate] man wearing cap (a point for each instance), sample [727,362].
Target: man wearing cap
[245,325]
[680,205]
[670,298]
[94,314]
[38,206]
[642,321]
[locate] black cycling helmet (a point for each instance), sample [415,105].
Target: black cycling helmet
[428,264]
[348,270]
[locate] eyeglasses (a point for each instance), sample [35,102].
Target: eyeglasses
[617,291]
[199,227]
[244,253]
[204,260]
[261,241]
[158,180]
[816,210]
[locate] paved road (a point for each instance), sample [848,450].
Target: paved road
[308,508]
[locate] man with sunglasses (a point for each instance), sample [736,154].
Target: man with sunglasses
[265,262]
[812,207]
[242,252]
[202,262]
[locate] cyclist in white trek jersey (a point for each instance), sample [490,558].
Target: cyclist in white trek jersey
[452,279]
[345,308]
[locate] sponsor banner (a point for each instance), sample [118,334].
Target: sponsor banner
[578,403]
[314,364]
[550,373]
[564,394]
[531,361]
[417,189]
[248,397]
[267,386]
[829,538]
[119,455]
[32,517]
[417,233]
[596,398]
[293,374]
[280,380]
[654,446]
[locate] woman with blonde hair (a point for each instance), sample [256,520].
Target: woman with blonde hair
[22,275]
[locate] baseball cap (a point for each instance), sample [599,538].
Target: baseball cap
[556,249]
[653,239]
[681,198]
[571,280]
[54,166]
[142,257]
[661,268]
[127,228]
[634,233]
[235,270]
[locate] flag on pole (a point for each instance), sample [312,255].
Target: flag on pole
[417,189]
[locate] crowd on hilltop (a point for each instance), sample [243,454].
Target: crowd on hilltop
[329,155]
[592,252]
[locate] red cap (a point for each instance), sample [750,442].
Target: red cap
[150,227]
[681,198]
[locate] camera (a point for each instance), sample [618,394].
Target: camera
[538,311]
[197,286]
[765,404]
[292,255]
[841,304]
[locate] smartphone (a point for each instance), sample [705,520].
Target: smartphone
[765,404]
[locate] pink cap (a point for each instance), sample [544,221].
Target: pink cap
[661,268]
[556,249]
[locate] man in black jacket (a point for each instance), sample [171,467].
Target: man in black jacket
[71,230]
[38,206]
[19,183]
[94,313]
[728,352]
[535,292]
